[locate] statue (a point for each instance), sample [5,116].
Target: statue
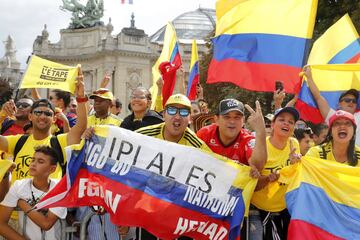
[84,16]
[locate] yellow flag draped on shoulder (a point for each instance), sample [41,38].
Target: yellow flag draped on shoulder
[43,73]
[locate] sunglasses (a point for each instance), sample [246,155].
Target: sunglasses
[183,112]
[22,105]
[39,113]
[349,100]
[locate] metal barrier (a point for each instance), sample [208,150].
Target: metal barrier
[66,232]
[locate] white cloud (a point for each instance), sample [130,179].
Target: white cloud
[24,20]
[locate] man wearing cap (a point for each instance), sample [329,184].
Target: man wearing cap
[227,136]
[174,129]
[102,104]
[20,111]
[42,117]
[348,101]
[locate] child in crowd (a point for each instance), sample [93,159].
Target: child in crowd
[25,193]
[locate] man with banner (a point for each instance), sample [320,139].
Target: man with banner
[170,189]
[42,117]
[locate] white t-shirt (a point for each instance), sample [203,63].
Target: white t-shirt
[357,121]
[24,189]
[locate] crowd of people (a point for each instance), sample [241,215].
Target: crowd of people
[35,131]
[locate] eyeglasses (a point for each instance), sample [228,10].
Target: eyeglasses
[39,113]
[22,105]
[349,100]
[183,112]
[138,97]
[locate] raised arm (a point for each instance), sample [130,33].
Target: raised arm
[323,106]
[256,120]
[278,97]
[35,94]
[74,135]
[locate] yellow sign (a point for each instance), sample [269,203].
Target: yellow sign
[42,73]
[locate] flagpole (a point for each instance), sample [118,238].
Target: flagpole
[18,87]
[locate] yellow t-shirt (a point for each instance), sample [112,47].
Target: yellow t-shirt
[24,156]
[318,152]
[272,197]
[189,138]
[111,119]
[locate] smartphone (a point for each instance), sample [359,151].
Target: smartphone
[279,85]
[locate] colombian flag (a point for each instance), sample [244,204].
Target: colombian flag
[194,72]
[339,44]
[332,80]
[260,42]
[169,54]
[323,199]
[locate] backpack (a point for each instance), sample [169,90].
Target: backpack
[6,125]
[54,143]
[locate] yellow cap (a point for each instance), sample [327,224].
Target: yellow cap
[178,99]
[102,93]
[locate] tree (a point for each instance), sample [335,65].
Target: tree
[329,11]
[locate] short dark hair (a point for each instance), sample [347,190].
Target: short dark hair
[319,127]
[118,103]
[48,151]
[43,103]
[65,96]
[300,133]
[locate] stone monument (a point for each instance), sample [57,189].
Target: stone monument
[9,66]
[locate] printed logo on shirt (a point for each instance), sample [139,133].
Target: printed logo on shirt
[213,142]
[22,166]
[251,144]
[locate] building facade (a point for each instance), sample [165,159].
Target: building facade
[127,56]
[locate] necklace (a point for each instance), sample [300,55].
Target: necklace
[34,200]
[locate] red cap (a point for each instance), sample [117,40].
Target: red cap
[342,114]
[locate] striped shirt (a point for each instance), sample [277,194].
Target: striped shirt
[188,138]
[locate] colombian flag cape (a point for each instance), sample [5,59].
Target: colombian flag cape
[260,42]
[339,44]
[194,72]
[166,188]
[323,199]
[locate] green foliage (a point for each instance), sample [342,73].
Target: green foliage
[329,11]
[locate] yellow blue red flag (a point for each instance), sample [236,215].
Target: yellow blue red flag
[194,73]
[323,198]
[260,42]
[42,73]
[170,54]
[339,44]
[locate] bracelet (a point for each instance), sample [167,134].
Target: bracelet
[82,99]
[28,211]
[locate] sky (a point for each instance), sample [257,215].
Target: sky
[24,20]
